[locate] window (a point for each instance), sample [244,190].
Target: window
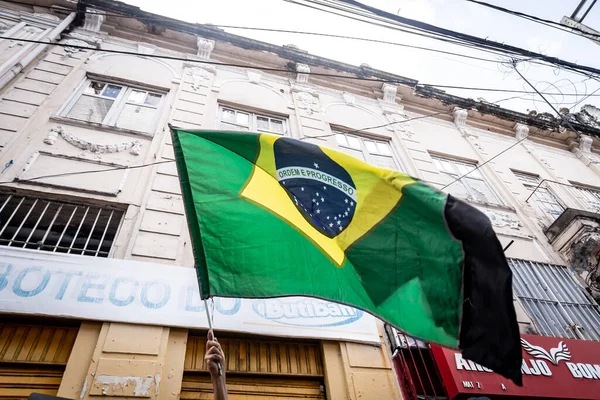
[589,196]
[115,105]
[41,224]
[237,120]
[376,152]
[546,201]
[416,368]
[554,301]
[472,187]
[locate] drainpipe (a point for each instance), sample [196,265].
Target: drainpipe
[52,35]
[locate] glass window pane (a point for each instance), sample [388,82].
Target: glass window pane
[370,146]
[354,153]
[227,115]
[137,96]
[242,118]
[353,142]
[481,191]
[90,108]
[384,162]
[277,126]
[153,99]
[112,91]
[136,118]
[233,127]
[458,189]
[341,139]
[384,148]
[262,124]
[94,88]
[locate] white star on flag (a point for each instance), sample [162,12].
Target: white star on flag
[316,165]
[331,225]
[345,200]
[318,211]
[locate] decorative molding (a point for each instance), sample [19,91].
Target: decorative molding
[307,101]
[87,37]
[4,26]
[521,131]
[93,20]
[460,116]
[69,51]
[503,220]
[400,125]
[389,93]
[253,76]
[134,147]
[198,75]
[32,31]
[205,47]
[145,48]
[585,143]
[303,70]
[349,99]
[48,17]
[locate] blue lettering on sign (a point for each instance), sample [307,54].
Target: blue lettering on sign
[65,284]
[305,313]
[17,286]
[87,285]
[3,275]
[191,295]
[113,292]
[237,303]
[166,295]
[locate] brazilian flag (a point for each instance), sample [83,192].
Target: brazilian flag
[272,216]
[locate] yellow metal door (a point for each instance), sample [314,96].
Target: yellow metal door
[33,358]
[257,370]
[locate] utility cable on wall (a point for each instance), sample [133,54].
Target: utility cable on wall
[282,70]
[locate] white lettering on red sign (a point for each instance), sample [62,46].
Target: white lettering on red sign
[581,370]
[530,367]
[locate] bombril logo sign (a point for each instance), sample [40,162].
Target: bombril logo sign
[306,313]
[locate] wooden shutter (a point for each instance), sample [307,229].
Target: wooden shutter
[33,358]
[257,370]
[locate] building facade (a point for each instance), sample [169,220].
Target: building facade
[91,206]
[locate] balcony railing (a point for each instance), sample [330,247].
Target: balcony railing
[551,198]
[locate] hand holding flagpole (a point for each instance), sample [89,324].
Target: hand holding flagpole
[212,334]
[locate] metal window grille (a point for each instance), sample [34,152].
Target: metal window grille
[416,368]
[42,224]
[589,196]
[557,304]
[376,152]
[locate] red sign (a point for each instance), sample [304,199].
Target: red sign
[553,368]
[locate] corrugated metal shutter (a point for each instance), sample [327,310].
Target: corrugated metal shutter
[555,301]
[33,359]
[257,369]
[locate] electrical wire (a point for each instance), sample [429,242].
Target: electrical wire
[85,172]
[168,161]
[490,159]
[287,31]
[484,43]
[546,22]
[561,116]
[270,69]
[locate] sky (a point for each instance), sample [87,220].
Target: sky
[426,67]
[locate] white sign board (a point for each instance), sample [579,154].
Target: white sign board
[71,286]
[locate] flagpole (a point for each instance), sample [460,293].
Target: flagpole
[210,329]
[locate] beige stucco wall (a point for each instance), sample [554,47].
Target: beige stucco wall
[154,227]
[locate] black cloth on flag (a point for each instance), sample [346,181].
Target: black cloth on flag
[489,332]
